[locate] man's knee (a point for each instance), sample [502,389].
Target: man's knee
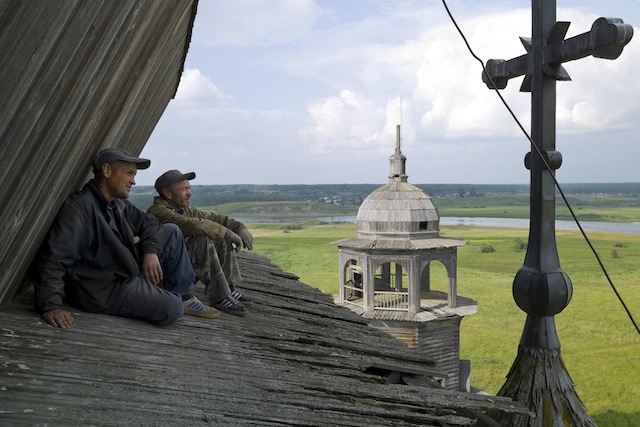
[173,310]
[201,248]
[171,231]
[198,242]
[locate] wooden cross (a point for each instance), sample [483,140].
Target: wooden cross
[540,287]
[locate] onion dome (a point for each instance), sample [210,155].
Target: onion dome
[398,210]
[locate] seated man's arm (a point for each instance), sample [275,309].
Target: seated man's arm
[148,228]
[192,223]
[59,318]
[151,268]
[65,243]
[236,226]
[247,237]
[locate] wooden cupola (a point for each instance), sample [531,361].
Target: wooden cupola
[385,272]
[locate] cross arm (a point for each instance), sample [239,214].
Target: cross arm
[607,38]
[500,71]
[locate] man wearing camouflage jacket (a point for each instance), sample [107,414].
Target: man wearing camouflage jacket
[211,239]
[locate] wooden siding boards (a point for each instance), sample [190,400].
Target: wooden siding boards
[439,339]
[75,77]
[296,359]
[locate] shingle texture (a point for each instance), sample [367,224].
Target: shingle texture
[296,359]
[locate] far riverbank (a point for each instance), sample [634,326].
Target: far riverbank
[605,227]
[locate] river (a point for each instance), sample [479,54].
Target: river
[606,227]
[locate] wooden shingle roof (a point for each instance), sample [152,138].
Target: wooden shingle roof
[296,359]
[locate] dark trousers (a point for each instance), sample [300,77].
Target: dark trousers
[141,299]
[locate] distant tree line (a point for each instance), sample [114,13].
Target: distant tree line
[213,195]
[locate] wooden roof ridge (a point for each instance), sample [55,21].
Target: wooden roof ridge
[296,359]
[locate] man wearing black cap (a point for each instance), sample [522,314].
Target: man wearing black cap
[104,255]
[211,239]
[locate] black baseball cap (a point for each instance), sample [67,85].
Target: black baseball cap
[171,177]
[110,155]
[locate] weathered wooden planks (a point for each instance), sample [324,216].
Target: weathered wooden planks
[296,359]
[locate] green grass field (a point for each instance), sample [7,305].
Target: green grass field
[587,207]
[600,346]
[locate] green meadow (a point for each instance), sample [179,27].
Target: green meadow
[587,207]
[600,346]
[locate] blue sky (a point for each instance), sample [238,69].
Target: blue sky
[310,92]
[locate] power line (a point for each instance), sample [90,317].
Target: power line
[546,165]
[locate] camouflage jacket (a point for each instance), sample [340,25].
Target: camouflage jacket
[194,222]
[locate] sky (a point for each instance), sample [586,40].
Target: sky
[311,92]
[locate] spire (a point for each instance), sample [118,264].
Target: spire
[398,161]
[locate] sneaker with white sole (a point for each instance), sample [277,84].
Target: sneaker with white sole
[194,307]
[231,306]
[242,299]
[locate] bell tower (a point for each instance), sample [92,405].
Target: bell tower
[385,272]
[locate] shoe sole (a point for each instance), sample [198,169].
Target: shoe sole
[234,312]
[202,315]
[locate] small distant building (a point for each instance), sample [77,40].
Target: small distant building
[385,273]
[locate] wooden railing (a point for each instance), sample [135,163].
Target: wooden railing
[398,301]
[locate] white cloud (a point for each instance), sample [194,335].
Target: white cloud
[435,76]
[449,99]
[198,91]
[322,93]
[348,122]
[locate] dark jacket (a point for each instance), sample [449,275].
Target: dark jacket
[84,252]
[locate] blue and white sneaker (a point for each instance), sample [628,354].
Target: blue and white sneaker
[194,307]
[242,299]
[231,306]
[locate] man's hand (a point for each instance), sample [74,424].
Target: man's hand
[59,318]
[233,239]
[247,238]
[151,268]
